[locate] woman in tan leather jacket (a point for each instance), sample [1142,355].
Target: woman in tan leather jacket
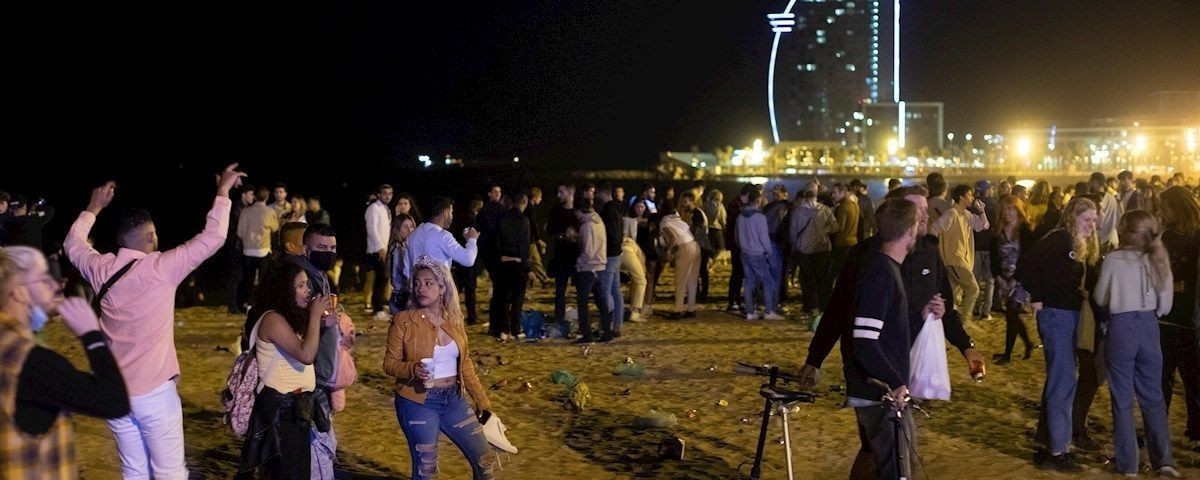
[427,352]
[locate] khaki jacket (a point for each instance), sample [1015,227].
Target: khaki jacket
[412,337]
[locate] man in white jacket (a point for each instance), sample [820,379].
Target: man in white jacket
[588,269]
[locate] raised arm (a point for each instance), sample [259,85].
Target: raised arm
[180,261]
[81,254]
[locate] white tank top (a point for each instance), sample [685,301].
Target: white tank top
[445,360]
[279,371]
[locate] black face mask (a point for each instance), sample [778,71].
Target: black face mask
[322,260]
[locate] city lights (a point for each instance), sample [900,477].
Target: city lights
[893,146]
[1024,146]
[1189,141]
[1139,144]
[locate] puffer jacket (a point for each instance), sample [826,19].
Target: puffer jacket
[811,225]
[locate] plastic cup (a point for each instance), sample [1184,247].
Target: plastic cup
[428,364]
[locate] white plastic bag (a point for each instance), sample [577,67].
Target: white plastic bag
[929,377]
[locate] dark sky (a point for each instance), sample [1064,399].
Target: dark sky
[603,84]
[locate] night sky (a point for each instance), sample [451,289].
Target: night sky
[578,84]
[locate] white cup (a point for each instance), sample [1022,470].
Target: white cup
[428,364]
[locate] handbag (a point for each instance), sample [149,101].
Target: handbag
[1085,333]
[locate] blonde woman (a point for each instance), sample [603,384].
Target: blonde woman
[430,395]
[1053,272]
[1135,285]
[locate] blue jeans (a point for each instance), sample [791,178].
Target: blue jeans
[1057,328]
[561,279]
[610,285]
[444,410]
[586,284]
[1135,365]
[758,274]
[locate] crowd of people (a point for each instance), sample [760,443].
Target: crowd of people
[1108,268]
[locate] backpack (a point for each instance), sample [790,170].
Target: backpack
[533,323]
[242,385]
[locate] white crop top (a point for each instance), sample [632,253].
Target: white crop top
[283,373]
[445,360]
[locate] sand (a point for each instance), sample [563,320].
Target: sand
[984,432]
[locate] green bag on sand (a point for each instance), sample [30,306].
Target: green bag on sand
[563,377]
[632,370]
[580,396]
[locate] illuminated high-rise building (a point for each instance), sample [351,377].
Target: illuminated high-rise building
[828,59]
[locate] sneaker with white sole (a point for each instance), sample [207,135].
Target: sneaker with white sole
[1167,471]
[751,316]
[382,316]
[773,316]
[637,317]
[493,431]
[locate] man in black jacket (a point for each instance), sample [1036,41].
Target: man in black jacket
[879,365]
[924,277]
[612,213]
[513,270]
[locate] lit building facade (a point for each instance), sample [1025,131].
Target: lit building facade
[923,126]
[828,60]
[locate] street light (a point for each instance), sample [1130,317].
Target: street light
[893,146]
[1139,144]
[1024,146]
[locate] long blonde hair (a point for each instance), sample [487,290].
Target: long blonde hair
[1140,231]
[1087,250]
[450,310]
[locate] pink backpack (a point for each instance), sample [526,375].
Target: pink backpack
[242,385]
[347,372]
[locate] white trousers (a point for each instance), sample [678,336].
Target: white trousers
[150,438]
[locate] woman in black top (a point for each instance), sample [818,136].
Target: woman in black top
[1181,217]
[1010,232]
[1053,272]
[47,386]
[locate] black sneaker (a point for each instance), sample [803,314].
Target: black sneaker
[606,338]
[1062,463]
[582,340]
[689,315]
[1084,442]
[1003,360]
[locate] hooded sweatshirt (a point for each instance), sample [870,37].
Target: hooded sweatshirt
[752,232]
[1126,285]
[593,244]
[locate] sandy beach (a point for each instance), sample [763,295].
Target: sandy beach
[984,432]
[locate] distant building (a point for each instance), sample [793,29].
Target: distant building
[828,60]
[923,125]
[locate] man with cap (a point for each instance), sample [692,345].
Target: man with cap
[983,252]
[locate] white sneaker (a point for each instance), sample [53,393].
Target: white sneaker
[751,316]
[382,316]
[493,431]
[637,317]
[773,316]
[1167,471]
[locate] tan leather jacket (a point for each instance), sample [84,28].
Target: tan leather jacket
[412,337]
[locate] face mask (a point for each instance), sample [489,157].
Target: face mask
[37,318]
[322,260]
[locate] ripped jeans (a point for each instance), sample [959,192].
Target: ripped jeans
[444,410]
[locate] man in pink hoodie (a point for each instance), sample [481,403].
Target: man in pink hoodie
[138,318]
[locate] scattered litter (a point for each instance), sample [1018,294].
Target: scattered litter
[654,419]
[580,394]
[835,388]
[692,413]
[632,370]
[500,360]
[628,359]
[622,393]
[722,403]
[525,387]
[647,354]
[745,419]
[671,448]
[500,384]
[587,350]
[222,348]
[712,368]
[563,377]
